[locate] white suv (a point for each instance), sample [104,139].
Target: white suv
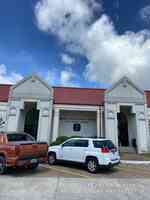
[91,152]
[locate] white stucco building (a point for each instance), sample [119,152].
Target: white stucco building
[120,113]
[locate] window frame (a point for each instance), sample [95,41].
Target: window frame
[78,128]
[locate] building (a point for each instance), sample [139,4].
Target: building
[120,113]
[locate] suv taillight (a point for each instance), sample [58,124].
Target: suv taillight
[105,150]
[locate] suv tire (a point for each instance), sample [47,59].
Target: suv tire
[92,165]
[2,165]
[52,158]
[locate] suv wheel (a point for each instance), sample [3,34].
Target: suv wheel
[2,165]
[92,165]
[51,158]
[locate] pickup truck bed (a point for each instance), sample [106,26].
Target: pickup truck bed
[21,150]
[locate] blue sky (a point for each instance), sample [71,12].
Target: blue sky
[90,45]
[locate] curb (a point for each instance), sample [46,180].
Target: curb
[135,162]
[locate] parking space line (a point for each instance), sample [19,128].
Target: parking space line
[66,171]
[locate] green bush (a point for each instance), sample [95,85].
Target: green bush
[62,139]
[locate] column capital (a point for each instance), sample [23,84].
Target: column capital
[56,110]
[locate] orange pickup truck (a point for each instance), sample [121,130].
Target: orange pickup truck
[21,149]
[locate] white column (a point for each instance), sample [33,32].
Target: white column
[102,134]
[98,123]
[56,124]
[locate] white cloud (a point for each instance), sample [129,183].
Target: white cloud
[109,54]
[6,78]
[112,55]
[65,77]
[66,59]
[145,14]
[67,19]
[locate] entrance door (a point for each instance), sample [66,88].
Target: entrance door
[123,137]
[31,119]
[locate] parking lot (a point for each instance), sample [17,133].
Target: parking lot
[76,171]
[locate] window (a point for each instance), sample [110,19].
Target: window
[76,127]
[81,143]
[105,143]
[76,143]
[17,137]
[70,143]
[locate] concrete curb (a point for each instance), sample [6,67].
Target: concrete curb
[135,162]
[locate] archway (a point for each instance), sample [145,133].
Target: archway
[31,118]
[123,137]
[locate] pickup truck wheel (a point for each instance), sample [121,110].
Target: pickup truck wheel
[33,166]
[92,165]
[2,165]
[51,158]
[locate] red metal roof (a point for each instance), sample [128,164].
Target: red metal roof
[78,96]
[68,95]
[4,92]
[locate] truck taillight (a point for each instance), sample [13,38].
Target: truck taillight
[105,150]
[17,149]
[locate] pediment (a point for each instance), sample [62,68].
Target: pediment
[31,87]
[124,90]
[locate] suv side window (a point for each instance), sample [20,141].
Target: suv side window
[70,143]
[81,143]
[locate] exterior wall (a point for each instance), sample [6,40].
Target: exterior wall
[87,120]
[40,93]
[124,93]
[89,117]
[132,127]
[55,120]
[3,115]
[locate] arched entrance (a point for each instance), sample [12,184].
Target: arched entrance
[127,128]
[31,118]
[123,138]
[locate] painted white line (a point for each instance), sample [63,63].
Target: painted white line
[66,171]
[135,162]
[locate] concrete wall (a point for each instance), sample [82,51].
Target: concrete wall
[3,115]
[87,120]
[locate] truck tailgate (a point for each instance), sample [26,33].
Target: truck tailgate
[32,149]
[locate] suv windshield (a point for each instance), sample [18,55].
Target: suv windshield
[17,137]
[105,143]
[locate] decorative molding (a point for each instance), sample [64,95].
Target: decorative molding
[45,112]
[141,116]
[110,114]
[122,80]
[12,111]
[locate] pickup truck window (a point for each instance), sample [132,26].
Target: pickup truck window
[17,137]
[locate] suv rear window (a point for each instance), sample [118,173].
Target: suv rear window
[105,143]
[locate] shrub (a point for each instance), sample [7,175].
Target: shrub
[59,140]
[62,139]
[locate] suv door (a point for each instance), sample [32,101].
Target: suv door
[79,150]
[66,150]
[74,150]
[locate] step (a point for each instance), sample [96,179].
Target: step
[127,150]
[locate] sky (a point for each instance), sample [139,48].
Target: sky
[76,43]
